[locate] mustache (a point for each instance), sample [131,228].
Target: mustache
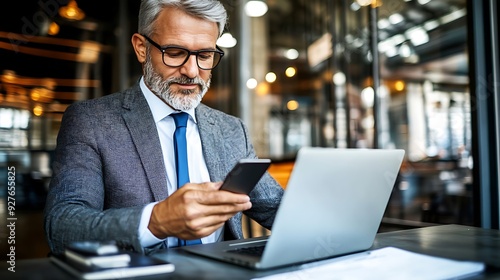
[185,81]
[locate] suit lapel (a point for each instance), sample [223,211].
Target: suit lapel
[215,155]
[142,128]
[211,141]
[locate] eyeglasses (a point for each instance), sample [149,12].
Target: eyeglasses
[177,56]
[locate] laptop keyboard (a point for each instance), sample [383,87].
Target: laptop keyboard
[256,251]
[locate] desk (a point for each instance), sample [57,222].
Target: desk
[448,241]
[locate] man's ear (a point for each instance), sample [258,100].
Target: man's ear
[139,44]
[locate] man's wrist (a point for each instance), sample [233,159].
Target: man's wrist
[146,237]
[155,226]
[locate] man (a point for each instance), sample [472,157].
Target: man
[115,172]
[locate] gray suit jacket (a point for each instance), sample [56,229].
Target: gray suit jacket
[109,165]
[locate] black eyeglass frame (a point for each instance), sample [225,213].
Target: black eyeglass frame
[189,52]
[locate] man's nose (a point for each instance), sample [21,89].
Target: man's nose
[190,68]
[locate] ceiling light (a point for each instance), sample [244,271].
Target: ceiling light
[292,105]
[364,2]
[71,11]
[53,29]
[405,50]
[385,45]
[270,77]
[358,43]
[252,83]
[397,39]
[339,79]
[292,54]
[423,2]
[453,16]
[290,72]
[383,23]
[368,97]
[396,18]
[226,41]
[8,76]
[431,24]
[262,89]
[355,6]
[35,94]
[399,85]
[417,35]
[38,110]
[89,52]
[391,52]
[255,8]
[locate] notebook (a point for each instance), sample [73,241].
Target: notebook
[138,266]
[333,205]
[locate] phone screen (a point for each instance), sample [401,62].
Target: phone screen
[245,175]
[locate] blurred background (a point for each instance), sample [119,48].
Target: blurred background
[418,75]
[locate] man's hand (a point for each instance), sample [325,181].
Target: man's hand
[195,211]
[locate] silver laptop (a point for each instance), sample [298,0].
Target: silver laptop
[333,205]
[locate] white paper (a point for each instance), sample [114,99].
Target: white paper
[386,263]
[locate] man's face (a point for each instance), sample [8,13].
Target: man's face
[180,87]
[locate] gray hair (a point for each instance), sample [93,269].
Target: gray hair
[210,10]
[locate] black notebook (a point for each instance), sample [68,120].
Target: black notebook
[139,265]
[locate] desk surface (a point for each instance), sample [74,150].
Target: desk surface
[448,241]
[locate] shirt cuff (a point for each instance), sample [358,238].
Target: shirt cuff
[146,238]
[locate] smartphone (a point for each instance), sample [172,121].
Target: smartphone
[245,175]
[95,248]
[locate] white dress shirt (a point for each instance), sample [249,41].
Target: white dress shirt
[198,172]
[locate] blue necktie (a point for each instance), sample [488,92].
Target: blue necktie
[180,148]
[181,162]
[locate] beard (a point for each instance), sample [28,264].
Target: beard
[182,100]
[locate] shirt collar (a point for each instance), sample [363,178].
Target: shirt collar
[158,108]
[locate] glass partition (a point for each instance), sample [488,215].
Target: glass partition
[377,74]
